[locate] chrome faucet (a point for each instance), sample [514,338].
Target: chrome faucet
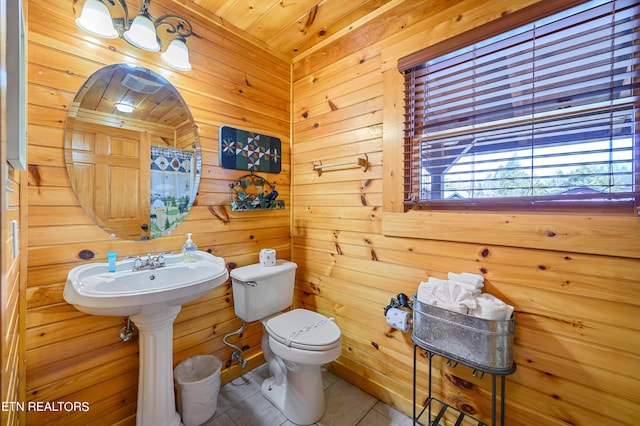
[151,262]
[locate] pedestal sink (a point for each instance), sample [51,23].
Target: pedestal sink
[152,299]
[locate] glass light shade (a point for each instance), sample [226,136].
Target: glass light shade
[177,55]
[95,19]
[142,34]
[125,108]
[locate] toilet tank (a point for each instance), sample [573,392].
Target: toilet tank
[261,291]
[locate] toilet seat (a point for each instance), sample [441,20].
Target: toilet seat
[304,329]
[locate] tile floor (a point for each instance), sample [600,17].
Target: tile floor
[241,403]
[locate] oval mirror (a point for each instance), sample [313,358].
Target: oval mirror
[132,152]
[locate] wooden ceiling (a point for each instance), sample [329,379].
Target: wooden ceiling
[290,27]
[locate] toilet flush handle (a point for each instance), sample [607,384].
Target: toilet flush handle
[249,283]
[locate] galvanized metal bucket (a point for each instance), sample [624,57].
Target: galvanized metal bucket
[479,343]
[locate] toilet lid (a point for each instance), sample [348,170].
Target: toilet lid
[303,329]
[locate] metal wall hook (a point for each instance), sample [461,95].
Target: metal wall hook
[478,374]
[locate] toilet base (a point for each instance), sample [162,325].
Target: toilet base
[300,398]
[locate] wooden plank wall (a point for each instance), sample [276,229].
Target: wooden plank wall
[76,357]
[577,305]
[573,279]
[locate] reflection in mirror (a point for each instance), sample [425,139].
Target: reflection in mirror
[132,152]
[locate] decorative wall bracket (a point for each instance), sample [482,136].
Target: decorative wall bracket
[253,192]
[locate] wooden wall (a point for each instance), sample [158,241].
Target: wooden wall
[71,356]
[576,294]
[573,279]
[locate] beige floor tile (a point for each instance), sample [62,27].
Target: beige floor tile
[240,403]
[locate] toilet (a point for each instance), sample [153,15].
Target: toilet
[295,343]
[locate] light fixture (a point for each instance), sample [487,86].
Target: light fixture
[125,108]
[177,54]
[95,18]
[141,32]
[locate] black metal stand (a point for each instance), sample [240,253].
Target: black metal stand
[478,371]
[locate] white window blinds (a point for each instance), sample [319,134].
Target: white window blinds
[542,113]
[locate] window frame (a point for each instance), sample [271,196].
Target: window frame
[491,29]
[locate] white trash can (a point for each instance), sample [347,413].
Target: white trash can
[197,386]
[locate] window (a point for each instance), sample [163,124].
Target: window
[543,114]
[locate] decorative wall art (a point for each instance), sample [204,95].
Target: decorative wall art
[253,192]
[245,150]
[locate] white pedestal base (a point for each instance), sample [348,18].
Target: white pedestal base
[300,398]
[156,401]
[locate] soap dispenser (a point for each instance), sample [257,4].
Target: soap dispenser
[189,250]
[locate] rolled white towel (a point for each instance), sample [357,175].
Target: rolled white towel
[442,293]
[474,279]
[471,276]
[462,297]
[491,308]
[454,298]
[433,281]
[427,289]
[426,293]
[461,309]
[509,313]
[467,286]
